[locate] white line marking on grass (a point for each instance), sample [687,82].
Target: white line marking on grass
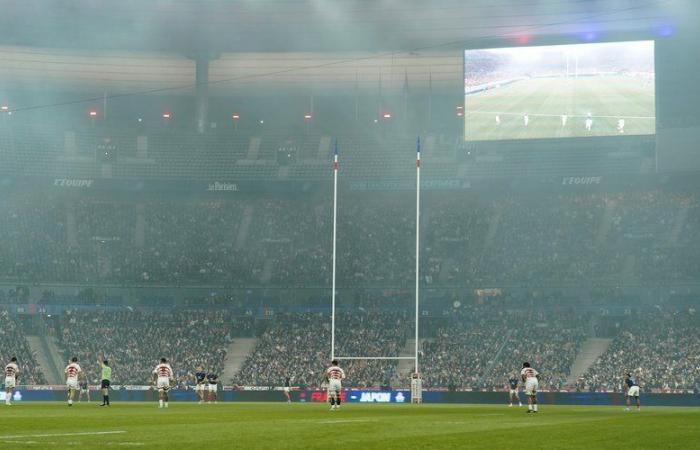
[91,433]
[345,421]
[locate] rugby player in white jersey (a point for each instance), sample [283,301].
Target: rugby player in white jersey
[334,375]
[11,377]
[532,382]
[162,376]
[73,373]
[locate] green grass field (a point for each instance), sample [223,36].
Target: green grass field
[545,100]
[281,425]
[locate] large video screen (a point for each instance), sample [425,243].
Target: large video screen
[559,91]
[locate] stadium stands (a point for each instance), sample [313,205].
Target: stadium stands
[297,345]
[661,348]
[14,343]
[135,341]
[468,240]
[476,347]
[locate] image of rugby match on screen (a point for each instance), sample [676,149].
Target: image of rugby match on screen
[560,91]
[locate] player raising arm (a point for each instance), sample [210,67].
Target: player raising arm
[106,379]
[632,390]
[532,382]
[334,375]
[11,377]
[162,376]
[73,372]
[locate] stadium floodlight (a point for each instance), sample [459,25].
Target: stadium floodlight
[236,117]
[4,108]
[307,117]
[386,116]
[166,115]
[93,113]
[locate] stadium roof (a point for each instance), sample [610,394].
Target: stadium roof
[310,25]
[288,44]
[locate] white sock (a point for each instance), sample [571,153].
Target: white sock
[166,404]
[529,407]
[70,402]
[160,403]
[535,406]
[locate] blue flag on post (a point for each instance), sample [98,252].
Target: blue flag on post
[418,152]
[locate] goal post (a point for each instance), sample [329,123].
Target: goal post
[416,384]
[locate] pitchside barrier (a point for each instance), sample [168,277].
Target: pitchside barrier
[398,396]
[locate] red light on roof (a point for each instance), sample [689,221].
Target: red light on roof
[166,115]
[523,39]
[93,113]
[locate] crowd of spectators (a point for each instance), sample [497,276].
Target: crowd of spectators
[134,342]
[476,347]
[461,353]
[661,349]
[13,342]
[298,346]
[484,346]
[466,239]
[550,341]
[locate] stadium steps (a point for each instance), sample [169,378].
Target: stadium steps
[44,359]
[493,226]
[591,350]
[254,148]
[492,362]
[324,148]
[236,354]
[406,366]
[268,267]
[678,226]
[242,235]
[140,228]
[628,269]
[57,355]
[71,226]
[605,224]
